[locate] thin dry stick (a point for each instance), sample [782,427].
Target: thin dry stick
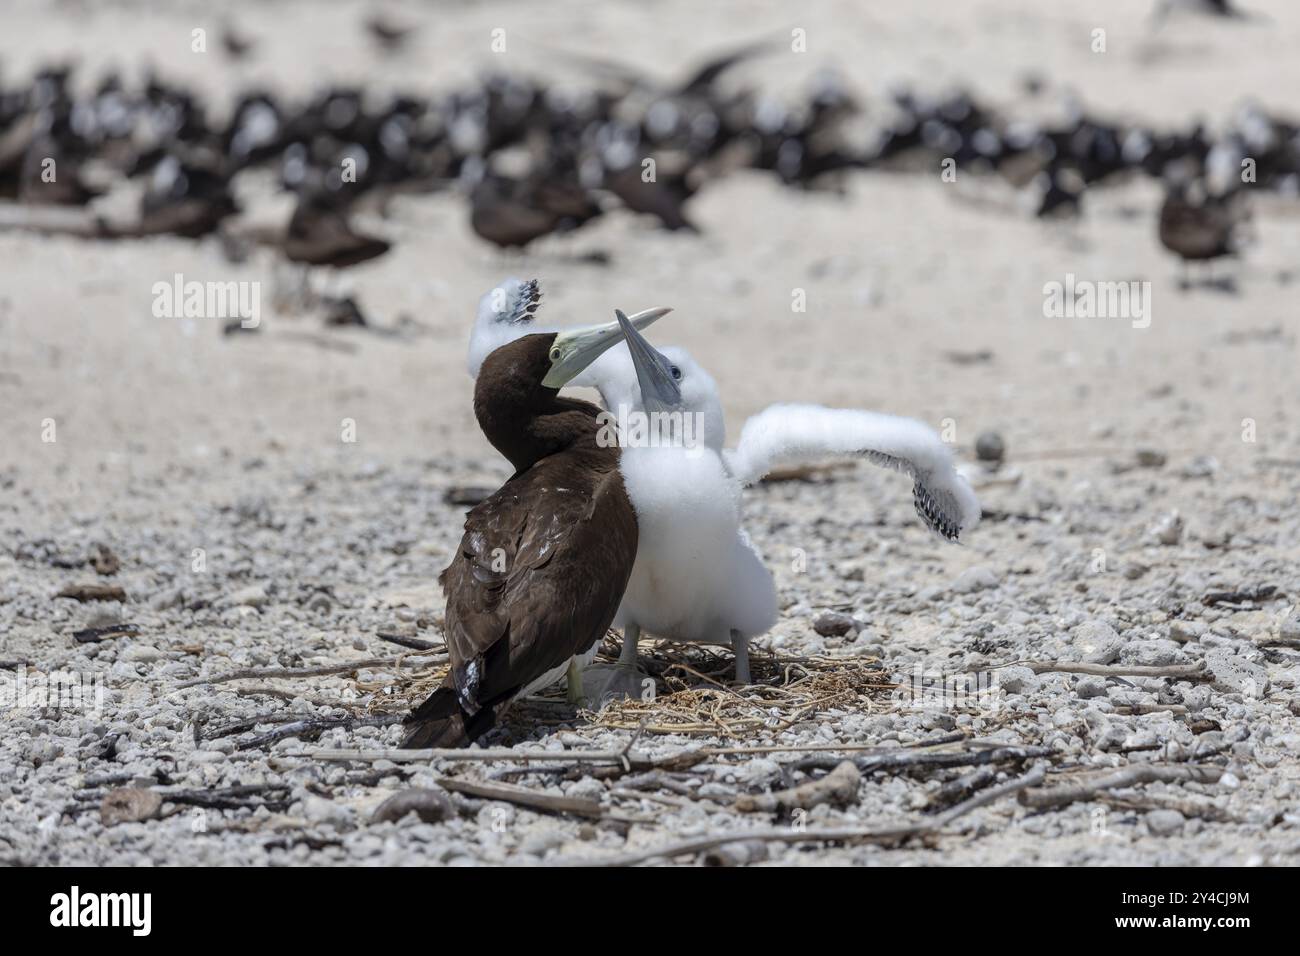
[628,793]
[653,780]
[1178,671]
[1277,640]
[475,756]
[283,672]
[245,725]
[922,759]
[965,786]
[1128,777]
[952,738]
[839,786]
[414,643]
[620,756]
[228,798]
[1188,808]
[1032,779]
[523,797]
[317,725]
[1140,709]
[279,693]
[262,691]
[957,758]
[836,835]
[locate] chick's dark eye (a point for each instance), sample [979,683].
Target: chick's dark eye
[677,373]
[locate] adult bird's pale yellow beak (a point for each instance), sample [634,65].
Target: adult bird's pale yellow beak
[574,349]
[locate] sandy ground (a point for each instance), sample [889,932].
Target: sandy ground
[172,437]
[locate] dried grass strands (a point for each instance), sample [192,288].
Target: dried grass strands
[807,688]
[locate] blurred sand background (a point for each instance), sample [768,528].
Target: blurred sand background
[896,271]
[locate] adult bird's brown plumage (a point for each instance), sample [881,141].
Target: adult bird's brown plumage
[1200,228]
[511,213]
[320,234]
[388,34]
[543,562]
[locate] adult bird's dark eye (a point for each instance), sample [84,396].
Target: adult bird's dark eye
[555,355]
[677,373]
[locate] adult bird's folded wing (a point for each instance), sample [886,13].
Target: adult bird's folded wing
[793,434]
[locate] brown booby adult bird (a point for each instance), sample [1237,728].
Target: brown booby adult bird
[543,562]
[389,34]
[511,213]
[1200,228]
[186,197]
[320,234]
[236,45]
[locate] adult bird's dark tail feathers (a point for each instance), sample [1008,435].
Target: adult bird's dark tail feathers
[441,723]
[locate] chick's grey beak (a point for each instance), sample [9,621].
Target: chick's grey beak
[659,389]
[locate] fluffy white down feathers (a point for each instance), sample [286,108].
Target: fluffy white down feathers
[504,314]
[696,575]
[791,434]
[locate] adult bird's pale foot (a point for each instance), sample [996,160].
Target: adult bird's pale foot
[575,683]
[603,683]
[606,682]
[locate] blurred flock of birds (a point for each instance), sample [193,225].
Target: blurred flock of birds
[532,160]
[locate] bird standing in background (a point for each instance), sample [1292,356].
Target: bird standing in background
[185,197]
[511,213]
[1222,9]
[389,35]
[236,45]
[1199,227]
[320,234]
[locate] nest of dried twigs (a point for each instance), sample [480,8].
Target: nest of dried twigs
[400,694]
[694,693]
